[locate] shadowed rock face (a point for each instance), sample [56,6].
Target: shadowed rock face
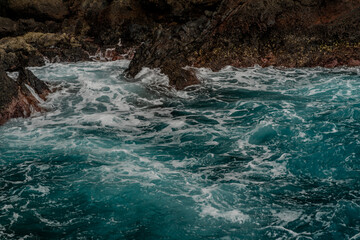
[178,10]
[38,9]
[28,78]
[8,89]
[7,26]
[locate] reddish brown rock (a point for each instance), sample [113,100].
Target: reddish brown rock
[353,63]
[15,98]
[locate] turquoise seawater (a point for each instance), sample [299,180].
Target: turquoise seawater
[256,153]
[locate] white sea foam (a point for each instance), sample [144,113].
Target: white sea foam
[287,216]
[13,75]
[187,151]
[43,190]
[234,215]
[152,77]
[32,91]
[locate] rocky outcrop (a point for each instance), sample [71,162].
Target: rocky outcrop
[11,28]
[81,28]
[16,98]
[30,50]
[35,31]
[8,92]
[200,33]
[244,33]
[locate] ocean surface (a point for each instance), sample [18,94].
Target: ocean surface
[256,153]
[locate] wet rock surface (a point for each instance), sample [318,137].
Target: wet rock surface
[16,98]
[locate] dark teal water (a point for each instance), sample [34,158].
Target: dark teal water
[250,154]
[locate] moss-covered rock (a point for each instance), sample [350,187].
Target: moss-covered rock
[30,49]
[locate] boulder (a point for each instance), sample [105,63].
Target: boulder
[16,52]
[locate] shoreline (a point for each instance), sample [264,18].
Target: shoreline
[175,37]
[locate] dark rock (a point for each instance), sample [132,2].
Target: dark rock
[15,98]
[178,10]
[8,27]
[38,9]
[27,77]
[169,50]
[30,25]
[8,90]
[286,33]
[4,8]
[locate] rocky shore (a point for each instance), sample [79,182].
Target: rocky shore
[173,36]
[285,33]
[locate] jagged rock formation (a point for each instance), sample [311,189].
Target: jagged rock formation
[16,100]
